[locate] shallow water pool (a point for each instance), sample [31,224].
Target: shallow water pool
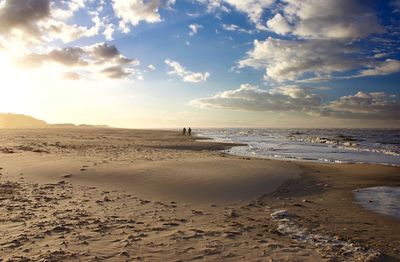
[382,199]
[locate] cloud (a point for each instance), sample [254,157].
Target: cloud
[71,76]
[292,59]
[70,56]
[115,72]
[362,105]
[104,51]
[102,58]
[170,4]
[288,99]
[186,75]
[134,11]
[196,77]
[279,25]
[230,27]
[66,9]
[151,67]
[396,4]
[252,98]
[389,66]
[253,8]
[23,16]
[194,28]
[317,19]
[233,27]
[380,55]
[321,19]
[109,31]
[322,40]
[37,21]
[54,29]
[215,5]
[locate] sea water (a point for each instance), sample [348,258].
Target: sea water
[380,146]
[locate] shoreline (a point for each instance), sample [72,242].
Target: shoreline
[171,185]
[298,160]
[334,146]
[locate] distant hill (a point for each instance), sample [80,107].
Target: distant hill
[20,121]
[10,120]
[93,126]
[66,125]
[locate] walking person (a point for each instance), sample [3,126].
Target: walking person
[189,131]
[184,131]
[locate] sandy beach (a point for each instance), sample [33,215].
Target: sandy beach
[86,194]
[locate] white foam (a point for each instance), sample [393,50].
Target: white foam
[317,145]
[329,246]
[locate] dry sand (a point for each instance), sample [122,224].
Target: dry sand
[123,195]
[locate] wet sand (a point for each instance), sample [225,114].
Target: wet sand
[125,195]
[323,201]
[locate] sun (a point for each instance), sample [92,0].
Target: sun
[13,84]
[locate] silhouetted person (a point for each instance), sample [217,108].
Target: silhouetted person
[189,131]
[184,131]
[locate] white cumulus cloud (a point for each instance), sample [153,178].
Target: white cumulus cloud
[134,11]
[252,98]
[185,74]
[194,28]
[326,19]
[374,105]
[253,8]
[279,25]
[286,99]
[292,59]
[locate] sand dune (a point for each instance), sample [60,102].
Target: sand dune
[20,121]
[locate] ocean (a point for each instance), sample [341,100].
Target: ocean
[381,146]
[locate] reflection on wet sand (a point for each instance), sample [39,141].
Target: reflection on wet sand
[381,199]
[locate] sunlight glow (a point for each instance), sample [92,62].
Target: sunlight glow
[13,87]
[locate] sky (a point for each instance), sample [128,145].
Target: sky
[202,63]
